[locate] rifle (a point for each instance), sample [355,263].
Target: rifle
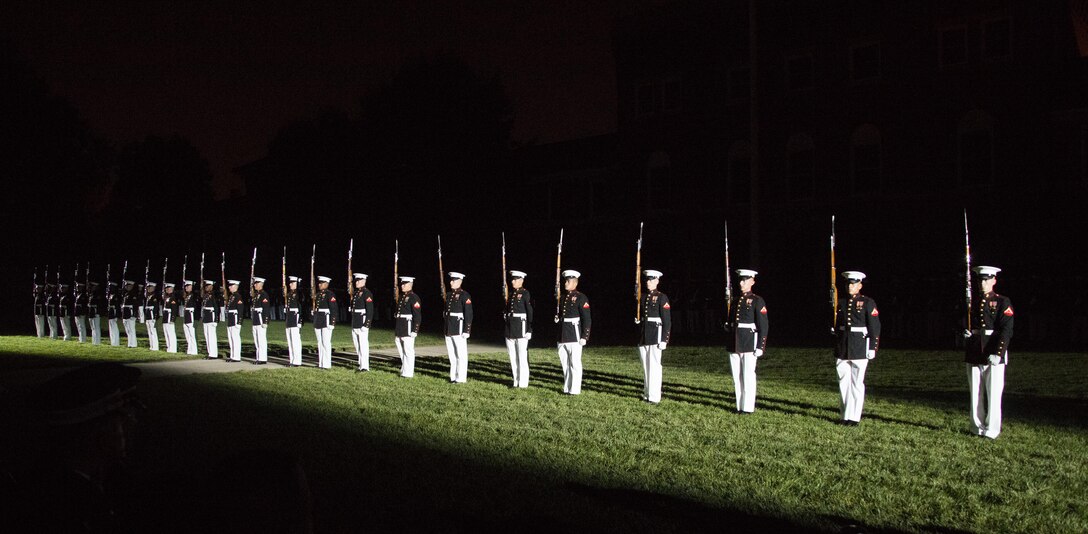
[252,266]
[351,284]
[834,287]
[184,266]
[108,294]
[728,279]
[147,280]
[124,271]
[87,279]
[46,281]
[396,279]
[223,283]
[283,273]
[313,284]
[441,273]
[558,263]
[505,284]
[75,278]
[162,290]
[201,281]
[638,276]
[967,264]
[35,281]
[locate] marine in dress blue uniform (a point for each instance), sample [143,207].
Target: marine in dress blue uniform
[747,339]
[362,315]
[573,332]
[987,353]
[325,321]
[858,340]
[409,315]
[655,328]
[457,316]
[519,328]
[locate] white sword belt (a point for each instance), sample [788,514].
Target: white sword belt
[210,308]
[405,316]
[520,315]
[653,319]
[323,310]
[573,320]
[454,314]
[750,326]
[360,311]
[127,306]
[293,309]
[232,311]
[984,332]
[859,329]
[189,309]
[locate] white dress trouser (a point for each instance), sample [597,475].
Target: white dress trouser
[987,382]
[360,337]
[570,357]
[519,361]
[406,346]
[115,332]
[190,338]
[52,320]
[294,345]
[457,349]
[234,340]
[66,326]
[81,327]
[260,341]
[744,380]
[211,340]
[651,372]
[96,329]
[171,336]
[324,347]
[152,335]
[130,332]
[852,387]
[39,325]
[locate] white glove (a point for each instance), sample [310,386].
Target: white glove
[465,335]
[870,354]
[966,334]
[557,319]
[637,321]
[995,359]
[582,341]
[413,334]
[528,335]
[759,352]
[662,345]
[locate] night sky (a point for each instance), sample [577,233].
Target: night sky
[229,77]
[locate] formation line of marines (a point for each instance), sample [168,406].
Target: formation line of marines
[855,326]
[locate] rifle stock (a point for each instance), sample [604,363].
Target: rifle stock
[967,264]
[505,284]
[834,285]
[441,272]
[728,278]
[638,276]
[558,266]
[313,284]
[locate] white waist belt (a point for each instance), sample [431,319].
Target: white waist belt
[325,311]
[405,316]
[519,315]
[574,320]
[360,311]
[859,329]
[984,332]
[750,326]
[653,319]
[232,311]
[210,308]
[453,314]
[127,306]
[293,309]
[189,309]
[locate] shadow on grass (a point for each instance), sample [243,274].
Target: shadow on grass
[364,476]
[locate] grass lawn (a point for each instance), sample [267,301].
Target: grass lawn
[423,454]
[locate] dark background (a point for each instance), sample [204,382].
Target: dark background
[141,131]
